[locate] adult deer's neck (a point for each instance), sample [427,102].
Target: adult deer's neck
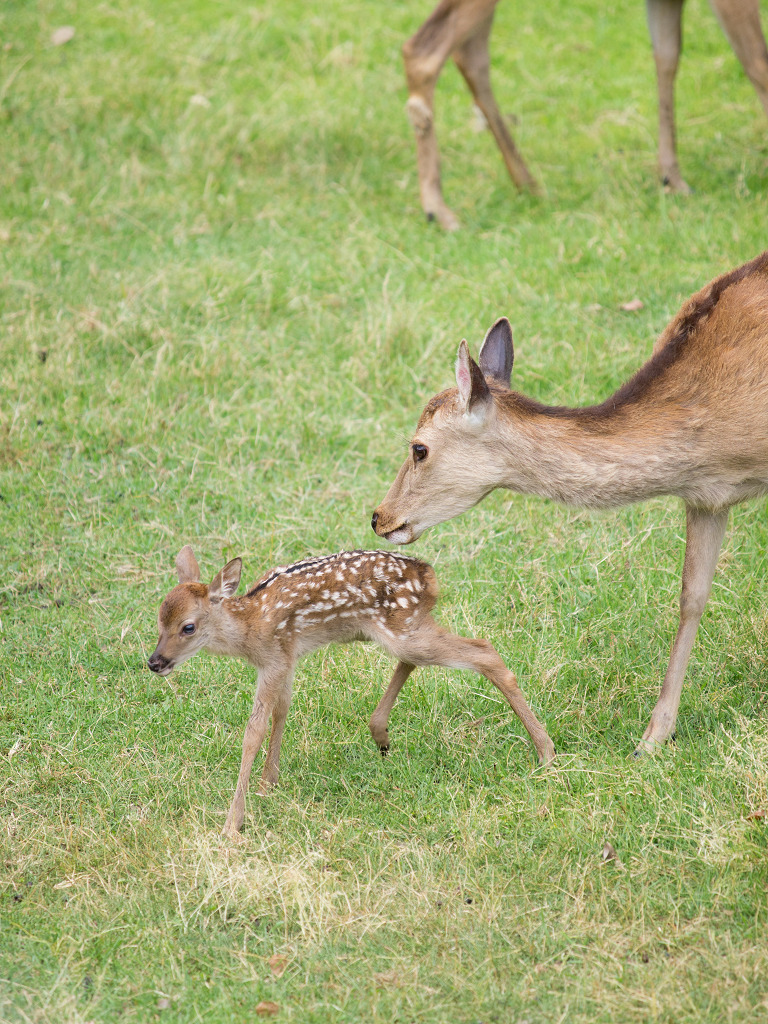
[598,457]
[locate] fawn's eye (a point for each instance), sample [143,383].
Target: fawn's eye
[420,452]
[188,629]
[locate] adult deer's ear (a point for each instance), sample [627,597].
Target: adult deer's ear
[186,566]
[497,353]
[226,582]
[474,393]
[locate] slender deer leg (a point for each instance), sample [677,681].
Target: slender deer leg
[705,531]
[665,25]
[255,731]
[424,55]
[271,771]
[740,20]
[473,61]
[380,717]
[433,645]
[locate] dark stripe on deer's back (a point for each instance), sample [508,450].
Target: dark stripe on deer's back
[340,558]
[693,314]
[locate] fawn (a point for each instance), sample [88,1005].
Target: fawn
[692,422]
[294,609]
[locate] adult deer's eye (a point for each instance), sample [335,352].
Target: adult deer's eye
[420,452]
[188,629]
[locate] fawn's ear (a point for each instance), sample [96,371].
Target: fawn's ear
[225,583]
[186,566]
[474,393]
[497,353]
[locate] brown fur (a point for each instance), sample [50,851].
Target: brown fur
[294,609]
[461,29]
[692,422]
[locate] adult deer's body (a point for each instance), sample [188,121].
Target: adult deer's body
[461,29]
[692,422]
[292,610]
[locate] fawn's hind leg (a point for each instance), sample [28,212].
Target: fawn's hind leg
[430,644]
[380,717]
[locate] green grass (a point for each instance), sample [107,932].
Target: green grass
[221,313]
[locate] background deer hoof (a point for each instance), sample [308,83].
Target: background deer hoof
[675,184]
[446,218]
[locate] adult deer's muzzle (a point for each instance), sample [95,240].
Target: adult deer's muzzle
[159,663]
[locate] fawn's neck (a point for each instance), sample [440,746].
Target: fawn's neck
[236,629]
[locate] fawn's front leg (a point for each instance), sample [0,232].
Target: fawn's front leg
[269,693]
[271,772]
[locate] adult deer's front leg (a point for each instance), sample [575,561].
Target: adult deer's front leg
[704,538]
[665,26]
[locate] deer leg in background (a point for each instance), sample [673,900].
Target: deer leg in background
[380,717]
[424,55]
[665,26]
[704,538]
[740,20]
[473,61]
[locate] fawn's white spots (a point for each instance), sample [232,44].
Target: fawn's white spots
[376,587]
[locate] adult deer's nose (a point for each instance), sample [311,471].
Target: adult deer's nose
[157,662]
[374,521]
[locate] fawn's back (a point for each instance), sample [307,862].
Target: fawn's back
[346,596]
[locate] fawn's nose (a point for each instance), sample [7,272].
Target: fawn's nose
[374,521]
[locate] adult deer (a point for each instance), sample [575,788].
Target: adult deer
[461,29]
[294,609]
[692,422]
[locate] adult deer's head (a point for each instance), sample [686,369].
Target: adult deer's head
[452,463]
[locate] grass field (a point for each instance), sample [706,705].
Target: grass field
[221,313]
